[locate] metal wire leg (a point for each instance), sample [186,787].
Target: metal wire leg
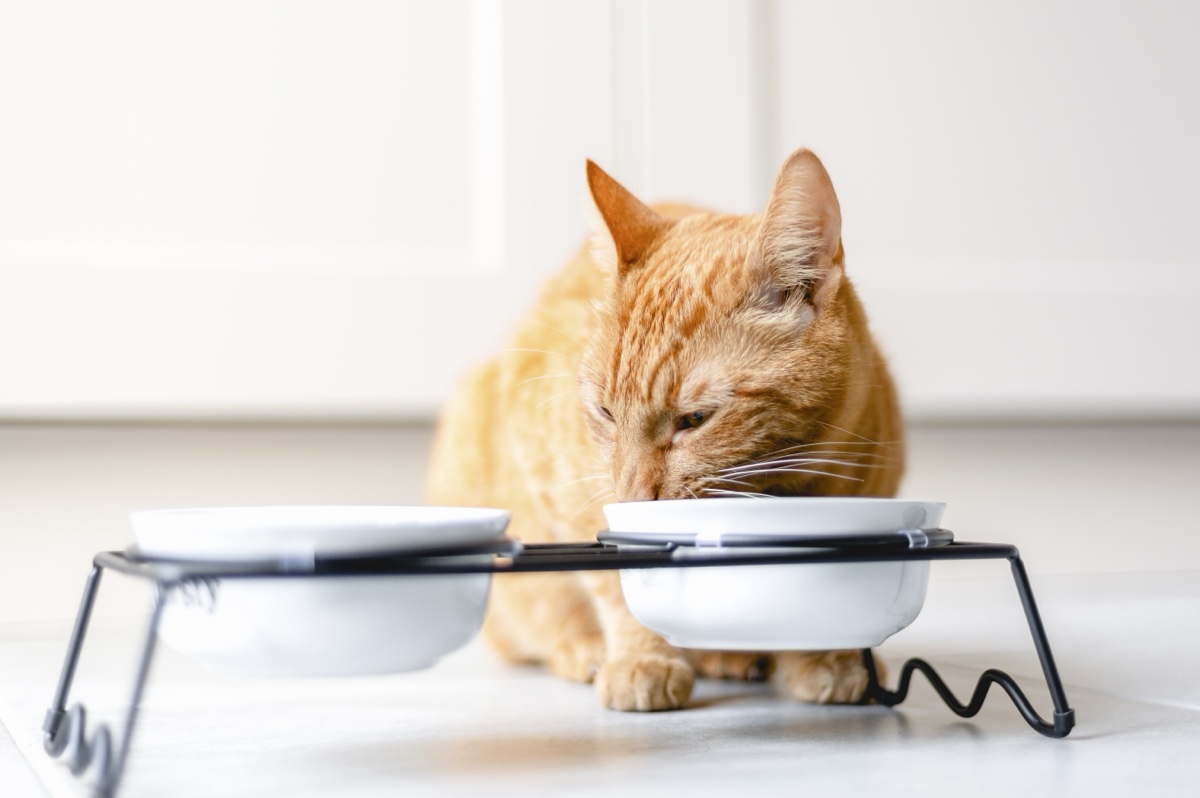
[1064,716]
[68,729]
[55,734]
[110,783]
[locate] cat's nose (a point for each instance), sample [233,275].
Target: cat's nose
[639,484]
[639,474]
[646,492]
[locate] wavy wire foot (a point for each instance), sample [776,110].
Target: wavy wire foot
[72,735]
[1061,727]
[1064,716]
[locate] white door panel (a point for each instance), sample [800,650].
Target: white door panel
[320,210]
[279,210]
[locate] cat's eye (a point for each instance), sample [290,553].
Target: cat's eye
[604,411]
[691,420]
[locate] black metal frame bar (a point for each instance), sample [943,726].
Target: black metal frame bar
[67,729]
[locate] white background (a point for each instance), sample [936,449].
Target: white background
[280,210]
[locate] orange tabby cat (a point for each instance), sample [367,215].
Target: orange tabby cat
[687,354]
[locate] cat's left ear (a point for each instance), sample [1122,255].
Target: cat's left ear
[799,246]
[630,225]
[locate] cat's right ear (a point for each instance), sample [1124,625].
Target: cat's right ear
[630,226]
[800,242]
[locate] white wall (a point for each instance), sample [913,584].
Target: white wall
[321,211]
[281,210]
[1018,183]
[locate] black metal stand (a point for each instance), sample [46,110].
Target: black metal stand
[66,731]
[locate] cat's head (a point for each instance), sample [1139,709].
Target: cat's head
[725,352]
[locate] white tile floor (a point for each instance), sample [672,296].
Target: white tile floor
[1126,646]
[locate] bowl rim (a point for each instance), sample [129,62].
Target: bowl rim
[291,531]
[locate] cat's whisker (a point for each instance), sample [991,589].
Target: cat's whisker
[864,442]
[855,435]
[578,363]
[769,465]
[826,451]
[577,481]
[558,330]
[863,460]
[746,493]
[592,498]
[730,480]
[817,456]
[839,453]
[546,377]
[813,449]
[798,467]
[551,398]
[821,449]
[600,495]
[795,470]
[598,464]
[817,472]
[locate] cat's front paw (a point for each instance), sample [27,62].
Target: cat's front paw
[826,677]
[743,666]
[645,683]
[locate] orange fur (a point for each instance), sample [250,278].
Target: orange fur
[685,354]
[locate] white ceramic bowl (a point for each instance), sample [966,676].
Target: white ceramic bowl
[775,607]
[319,625]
